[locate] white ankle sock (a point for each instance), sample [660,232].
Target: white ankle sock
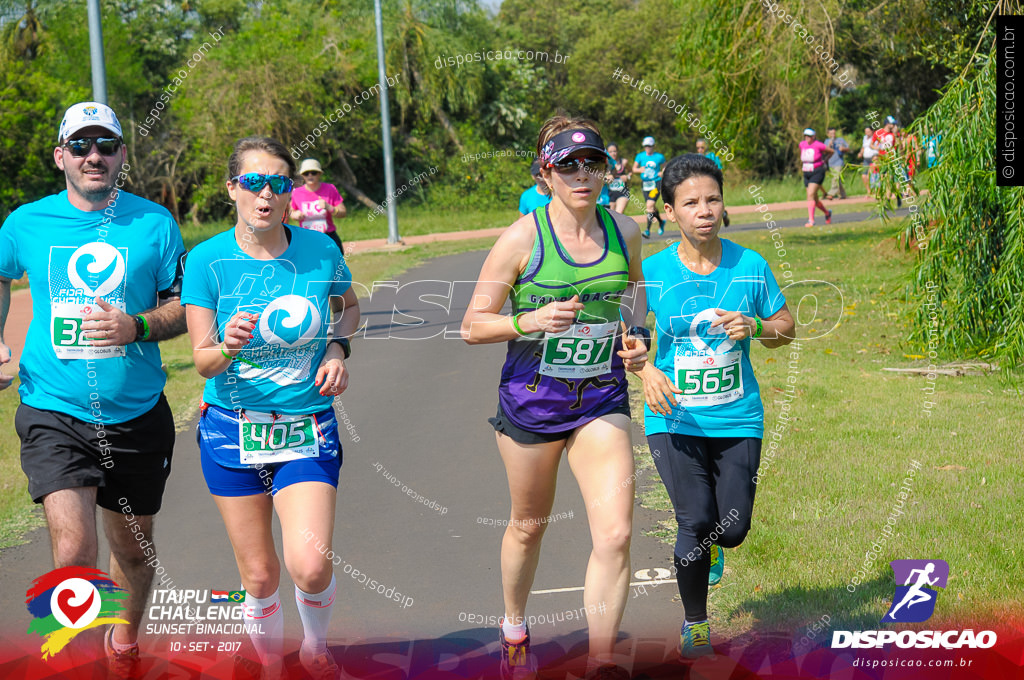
[511,630]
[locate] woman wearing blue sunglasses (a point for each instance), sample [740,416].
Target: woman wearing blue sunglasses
[259,302]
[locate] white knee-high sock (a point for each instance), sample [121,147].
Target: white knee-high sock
[266,626]
[315,612]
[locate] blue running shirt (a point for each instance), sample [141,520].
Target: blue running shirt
[722,397]
[124,254]
[531,199]
[291,294]
[651,164]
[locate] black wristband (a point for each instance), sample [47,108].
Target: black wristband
[141,328]
[346,346]
[642,333]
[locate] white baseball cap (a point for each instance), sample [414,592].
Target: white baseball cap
[648,141]
[310,164]
[88,114]
[809,131]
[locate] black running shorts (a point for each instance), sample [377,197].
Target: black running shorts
[128,462]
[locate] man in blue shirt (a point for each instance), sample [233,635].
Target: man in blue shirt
[836,161]
[104,268]
[649,166]
[536,196]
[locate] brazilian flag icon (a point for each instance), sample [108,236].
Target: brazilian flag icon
[236,595]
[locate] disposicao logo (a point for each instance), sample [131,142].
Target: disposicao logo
[914,602]
[67,601]
[916,597]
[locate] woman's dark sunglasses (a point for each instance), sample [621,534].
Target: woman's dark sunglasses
[108,146]
[255,181]
[590,164]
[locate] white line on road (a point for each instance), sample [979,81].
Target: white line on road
[569,590]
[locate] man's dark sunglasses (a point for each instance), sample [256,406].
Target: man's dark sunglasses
[80,148]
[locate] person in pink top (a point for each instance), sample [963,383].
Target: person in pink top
[316,204]
[813,155]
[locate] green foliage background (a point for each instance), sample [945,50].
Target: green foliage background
[283,65]
[752,78]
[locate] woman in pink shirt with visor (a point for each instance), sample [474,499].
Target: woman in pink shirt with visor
[813,155]
[316,204]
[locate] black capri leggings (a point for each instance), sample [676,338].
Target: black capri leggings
[710,481]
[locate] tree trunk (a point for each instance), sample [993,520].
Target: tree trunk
[449,128]
[353,190]
[348,182]
[442,117]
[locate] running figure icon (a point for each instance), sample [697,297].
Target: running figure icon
[915,595]
[920,580]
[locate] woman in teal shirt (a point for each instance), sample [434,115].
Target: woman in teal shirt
[704,418]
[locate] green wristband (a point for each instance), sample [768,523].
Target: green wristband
[224,351]
[757,333]
[515,323]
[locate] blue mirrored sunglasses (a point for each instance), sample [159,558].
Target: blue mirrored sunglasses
[255,181]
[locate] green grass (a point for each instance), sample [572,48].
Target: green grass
[854,431]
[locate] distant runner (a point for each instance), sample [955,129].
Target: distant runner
[836,162]
[536,196]
[315,205]
[649,164]
[884,141]
[702,149]
[813,155]
[868,173]
[618,180]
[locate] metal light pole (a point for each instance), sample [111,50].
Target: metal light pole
[385,124]
[99,69]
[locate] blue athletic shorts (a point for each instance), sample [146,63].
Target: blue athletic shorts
[217,435]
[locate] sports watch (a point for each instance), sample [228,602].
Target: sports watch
[141,328]
[642,333]
[346,346]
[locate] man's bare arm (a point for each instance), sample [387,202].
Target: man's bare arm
[166,320]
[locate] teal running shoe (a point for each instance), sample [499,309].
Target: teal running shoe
[695,640]
[717,564]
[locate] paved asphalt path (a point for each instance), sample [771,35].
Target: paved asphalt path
[417,403]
